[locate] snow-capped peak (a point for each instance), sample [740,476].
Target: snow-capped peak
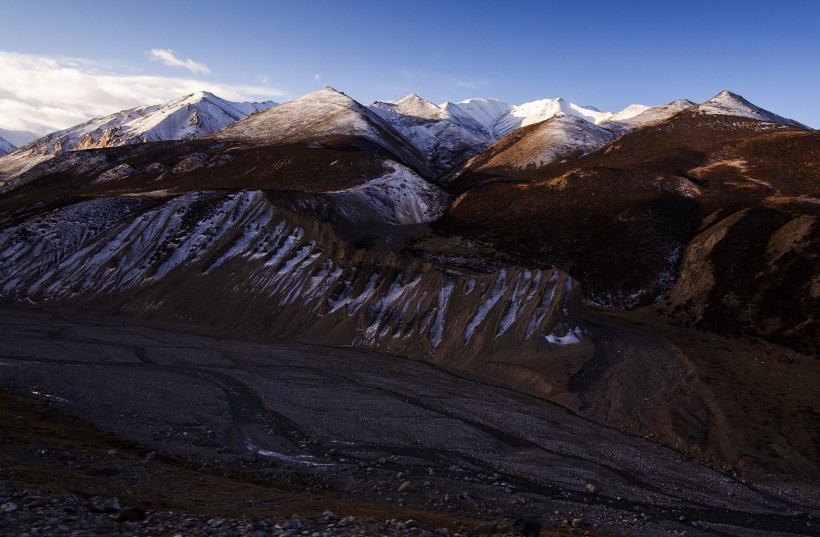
[638,115]
[731,104]
[485,112]
[183,118]
[411,105]
[541,110]
[629,112]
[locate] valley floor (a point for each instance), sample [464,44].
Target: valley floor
[206,423]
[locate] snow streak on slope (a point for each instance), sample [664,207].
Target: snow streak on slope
[399,197]
[6,147]
[732,104]
[235,260]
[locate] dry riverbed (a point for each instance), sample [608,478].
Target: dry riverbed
[195,432]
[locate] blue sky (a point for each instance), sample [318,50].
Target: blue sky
[609,54]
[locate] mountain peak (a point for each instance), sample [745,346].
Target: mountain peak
[728,97]
[731,104]
[411,97]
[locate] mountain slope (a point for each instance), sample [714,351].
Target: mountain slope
[445,139]
[638,115]
[732,104]
[537,111]
[183,118]
[325,118]
[555,140]
[236,260]
[621,219]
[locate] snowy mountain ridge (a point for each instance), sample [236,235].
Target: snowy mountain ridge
[184,118]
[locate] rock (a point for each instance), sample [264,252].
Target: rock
[576,522]
[8,507]
[591,489]
[411,524]
[131,514]
[404,487]
[112,505]
[329,515]
[250,456]
[112,452]
[525,526]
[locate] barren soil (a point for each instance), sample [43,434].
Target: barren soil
[244,426]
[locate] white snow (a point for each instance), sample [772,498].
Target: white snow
[496,293]
[537,111]
[485,112]
[571,337]
[445,138]
[437,330]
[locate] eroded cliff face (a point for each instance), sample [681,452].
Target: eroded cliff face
[236,261]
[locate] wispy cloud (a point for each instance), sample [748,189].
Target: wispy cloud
[42,94]
[318,78]
[470,84]
[167,57]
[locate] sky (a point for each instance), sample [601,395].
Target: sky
[62,63]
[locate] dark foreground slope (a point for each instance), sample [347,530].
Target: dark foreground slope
[227,426]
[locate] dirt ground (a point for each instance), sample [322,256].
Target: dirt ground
[207,423]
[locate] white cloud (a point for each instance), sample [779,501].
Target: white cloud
[318,78]
[470,84]
[42,94]
[166,57]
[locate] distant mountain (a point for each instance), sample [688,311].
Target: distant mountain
[555,140]
[443,137]
[638,115]
[6,147]
[183,118]
[731,104]
[620,219]
[18,138]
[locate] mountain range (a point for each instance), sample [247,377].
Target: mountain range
[482,237]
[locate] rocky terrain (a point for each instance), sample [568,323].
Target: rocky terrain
[309,429]
[611,320]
